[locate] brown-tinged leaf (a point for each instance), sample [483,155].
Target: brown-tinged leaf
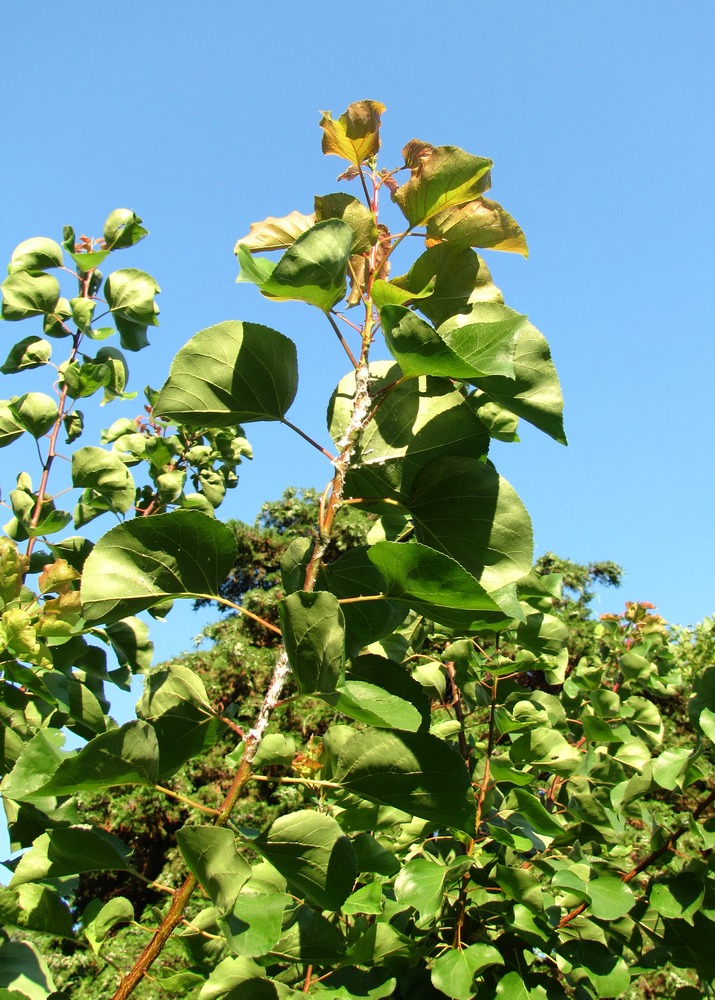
[359,269]
[480,223]
[276,233]
[442,177]
[13,567]
[356,134]
[57,577]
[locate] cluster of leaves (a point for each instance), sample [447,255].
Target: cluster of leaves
[460,831]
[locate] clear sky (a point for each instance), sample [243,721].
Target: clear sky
[203,118]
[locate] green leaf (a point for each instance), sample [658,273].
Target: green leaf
[355,136]
[594,961]
[32,352]
[313,630]
[480,223]
[459,279]
[703,695]
[24,974]
[36,908]
[130,297]
[465,508]
[611,898]
[70,851]
[354,213]
[310,850]
[442,177]
[511,987]
[255,924]
[123,229]
[437,586]
[464,347]
[98,919]
[29,293]
[535,391]
[545,749]
[176,704]
[415,772]
[367,899]
[125,756]
[228,374]
[454,971]
[144,562]
[276,233]
[212,857]
[10,428]
[275,748]
[311,270]
[521,886]
[418,420]
[678,898]
[381,693]
[35,411]
[40,758]
[35,254]
[421,884]
[107,482]
[89,260]
[386,293]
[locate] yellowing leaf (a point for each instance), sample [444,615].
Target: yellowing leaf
[479,223]
[356,134]
[274,233]
[442,177]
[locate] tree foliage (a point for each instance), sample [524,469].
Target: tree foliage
[473,807]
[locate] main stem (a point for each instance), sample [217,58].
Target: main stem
[346,447]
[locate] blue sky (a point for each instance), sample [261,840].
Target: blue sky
[599,119]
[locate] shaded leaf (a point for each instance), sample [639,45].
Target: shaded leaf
[70,851]
[31,352]
[212,857]
[415,772]
[311,851]
[454,971]
[354,213]
[313,630]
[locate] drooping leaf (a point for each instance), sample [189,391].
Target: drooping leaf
[36,254]
[313,630]
[70,851]
[98,919]
[535,391]
[123,228]
[415,772]
[228,374]
[35,411]
[276,233]
[107,482]
[479,223]
[38,761]
[442,177]
[355,135]
[311,851]
[312,270]
[149,560]
[386,293]
[465,508]
[212,857]
[130,296]
[10,427]
[176,704]
[31,352]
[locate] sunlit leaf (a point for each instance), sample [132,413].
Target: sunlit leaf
[146,561]
[442,177]
[454,970]
[70,851]
[228,374]
[355,135]
[29,293]
[480,223]
[354,213]
[276,233]
[211,855]
[313,630]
